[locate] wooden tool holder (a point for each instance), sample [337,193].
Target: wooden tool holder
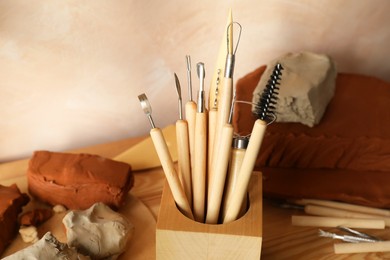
[178,237]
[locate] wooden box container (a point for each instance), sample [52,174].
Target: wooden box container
[178,237]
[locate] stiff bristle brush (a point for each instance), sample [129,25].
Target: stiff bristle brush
[265,107]
[264,110]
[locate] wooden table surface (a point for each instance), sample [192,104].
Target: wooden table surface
[281,240]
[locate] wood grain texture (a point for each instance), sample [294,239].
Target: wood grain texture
[281,240]
[136,211]
[181,238]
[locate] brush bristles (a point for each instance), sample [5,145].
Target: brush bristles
[265,107]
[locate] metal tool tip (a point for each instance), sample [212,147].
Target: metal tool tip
[145,105]
[200,70]
[188,60]
[178,88]
[323,233]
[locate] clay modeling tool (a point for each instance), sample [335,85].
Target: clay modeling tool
[239,145]
[217,184]
[226,91]
[358,233]
[212,117]
[344,206]
[219,70]
[351,248]
[346,238]
[225,97]
[183,149]
[166,161]
[316,221]
[263,111]
[190,109]
[216,81]
[333,212]
[200,151]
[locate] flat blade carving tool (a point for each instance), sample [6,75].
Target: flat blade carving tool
[183,148]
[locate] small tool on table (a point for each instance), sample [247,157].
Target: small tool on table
[354,237]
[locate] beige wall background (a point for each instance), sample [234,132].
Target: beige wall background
[71,71]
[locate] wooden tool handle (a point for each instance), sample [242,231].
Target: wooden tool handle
[200,163]
[237,155]
[170,172]
[345,206]
[190,109]
[248,163]
[314,221]
[211,139]
[184,163]
[351,248]
[332,212]
[219,175]
[224,105]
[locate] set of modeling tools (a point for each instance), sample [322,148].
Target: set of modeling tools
[214,165]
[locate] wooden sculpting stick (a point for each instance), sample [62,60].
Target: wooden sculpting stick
[332,212]
[219,71]
[199,174]
[215,87]
[184,163]
[315,221]
[211,139]
[344,206]
[190,111]
[219,176]
[222,120]
[170,172]
[200,151]
[237,156]
[351,248]
[255,141]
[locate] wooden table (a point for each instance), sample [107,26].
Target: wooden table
[281,240]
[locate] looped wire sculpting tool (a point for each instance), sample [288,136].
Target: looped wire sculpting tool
[217,76]
[166,160]
[269,95]
[184,163]
[190,110]
[225,101]
[216,81]
[200,151]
